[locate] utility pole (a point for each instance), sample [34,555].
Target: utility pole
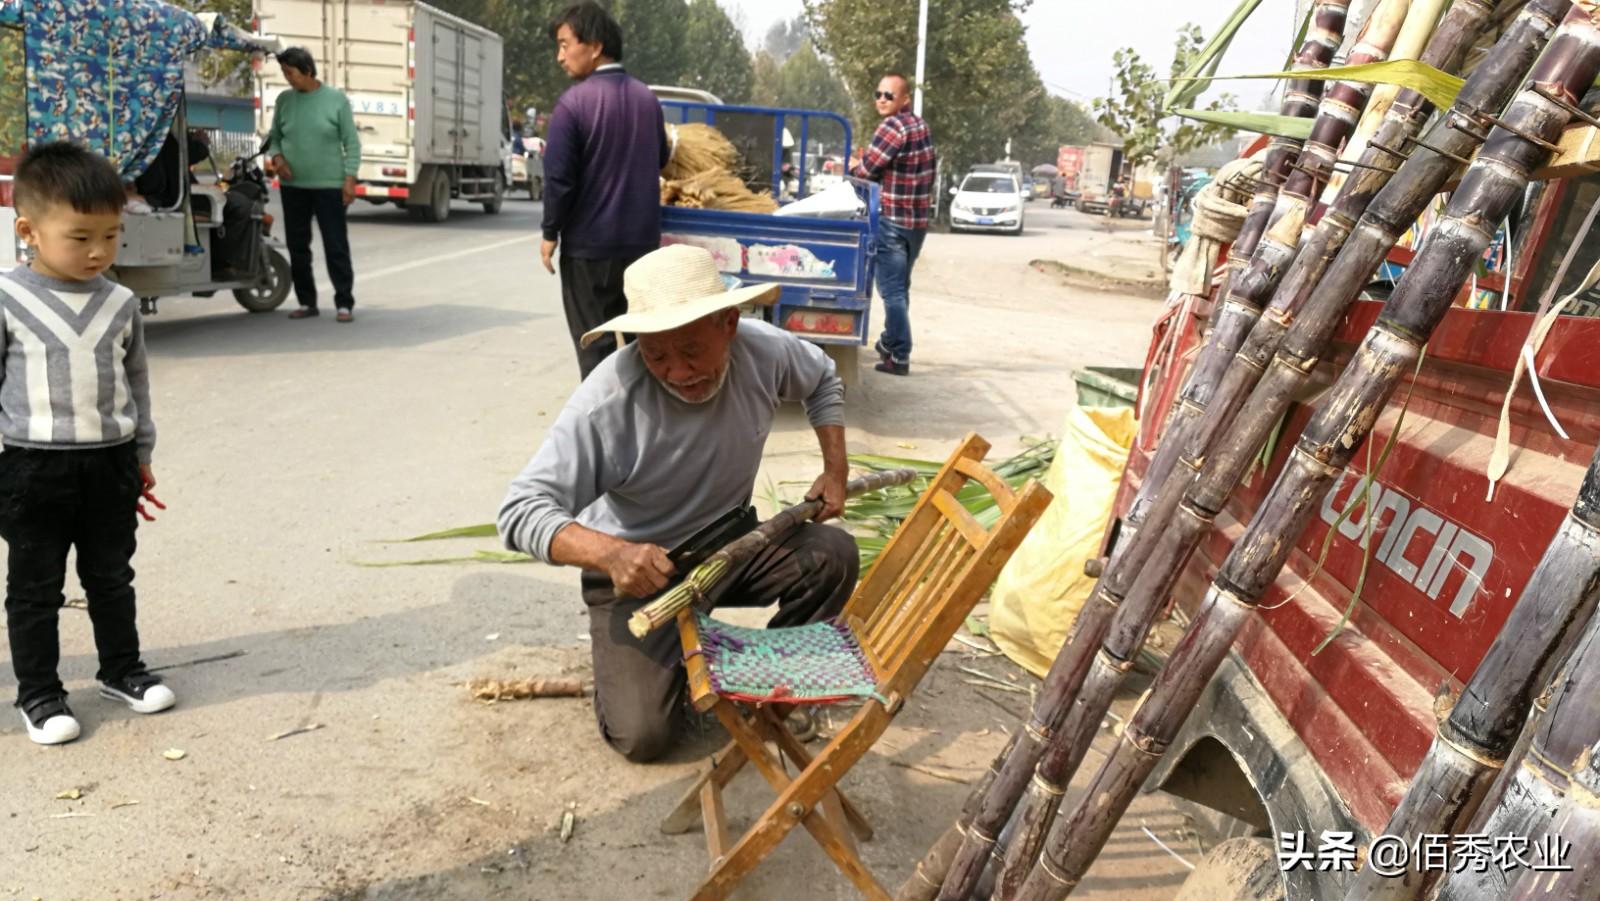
[922,54]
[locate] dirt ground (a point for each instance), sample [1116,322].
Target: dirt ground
[289,449]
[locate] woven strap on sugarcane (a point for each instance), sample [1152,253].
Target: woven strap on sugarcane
[820,663]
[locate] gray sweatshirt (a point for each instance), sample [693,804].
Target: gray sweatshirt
[73,372]
[626,458]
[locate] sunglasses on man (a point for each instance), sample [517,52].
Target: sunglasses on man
[882,95]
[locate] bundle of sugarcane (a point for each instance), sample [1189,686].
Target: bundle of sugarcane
[1020,756]
[1492,184]
[716,189]
[1180,518]
[692,590]
[1556,606]
[697,148]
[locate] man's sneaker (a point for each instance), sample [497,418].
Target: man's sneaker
[305,313]
[142,692]
[882,352]
[50,721]
[894,368]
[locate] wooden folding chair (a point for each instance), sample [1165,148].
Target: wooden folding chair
[928,578]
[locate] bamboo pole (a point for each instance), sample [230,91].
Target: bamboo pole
[1341,425]
[1474,742]
[702,578]
[1179,520]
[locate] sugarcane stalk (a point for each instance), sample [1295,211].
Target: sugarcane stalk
[703,578]
[1543,779]
[1577,822]
[1536,782]
[1179,521]
[1473,743]
[1300,99]
[1341,425]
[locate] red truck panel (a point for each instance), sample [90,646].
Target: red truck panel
[1364,706]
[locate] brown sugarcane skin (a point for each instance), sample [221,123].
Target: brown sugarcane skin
[1328,443]
[1175,528]
[923,884]
[1579,822]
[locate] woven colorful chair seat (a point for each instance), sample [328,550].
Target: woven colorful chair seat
[820,663]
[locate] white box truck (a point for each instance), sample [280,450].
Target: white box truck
[426,88]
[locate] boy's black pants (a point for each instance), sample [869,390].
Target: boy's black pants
[52,500]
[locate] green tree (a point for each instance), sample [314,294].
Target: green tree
[785,37]
[766,79]
[1135,112]
[653,38]
[806,81]
[980,85]
[717,60]
[1054,121]
[226,70]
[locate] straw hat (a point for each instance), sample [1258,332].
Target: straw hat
[673,287]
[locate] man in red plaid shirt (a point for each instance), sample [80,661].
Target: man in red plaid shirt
[900,158]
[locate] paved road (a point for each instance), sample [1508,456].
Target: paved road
[288,448]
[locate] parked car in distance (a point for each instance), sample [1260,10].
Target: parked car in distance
[987,201]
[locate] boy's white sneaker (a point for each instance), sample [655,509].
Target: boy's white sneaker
[141,691]
[50,721]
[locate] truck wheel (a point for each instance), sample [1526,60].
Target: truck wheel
[536,188]
[492,207]
[439,202]
[271,292]
[1239,869]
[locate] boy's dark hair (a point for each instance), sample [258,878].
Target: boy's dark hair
[65,173]
[299,59]
[591,24]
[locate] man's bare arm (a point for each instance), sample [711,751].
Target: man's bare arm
[835,472]
[637,570]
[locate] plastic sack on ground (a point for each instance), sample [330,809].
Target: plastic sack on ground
[1042,588]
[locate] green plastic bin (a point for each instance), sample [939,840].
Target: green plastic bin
[1106,386]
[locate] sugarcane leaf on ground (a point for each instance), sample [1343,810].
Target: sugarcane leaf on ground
[482,530]
[480,556]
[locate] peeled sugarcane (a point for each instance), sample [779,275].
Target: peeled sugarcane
[1172,532]
[1343,422]
[702,578]
[1560,743]
[1578,822]
[1019,757]
[1473,744]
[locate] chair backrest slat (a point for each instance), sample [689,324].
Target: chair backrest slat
[936,566]
[944,539]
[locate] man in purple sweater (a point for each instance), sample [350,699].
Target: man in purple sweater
[604,149]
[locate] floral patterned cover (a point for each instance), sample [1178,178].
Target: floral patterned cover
[105,73]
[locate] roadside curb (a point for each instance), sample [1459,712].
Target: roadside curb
[1091,278]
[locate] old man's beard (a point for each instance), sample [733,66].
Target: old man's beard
[722,378]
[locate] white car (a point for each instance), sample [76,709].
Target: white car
[987,201]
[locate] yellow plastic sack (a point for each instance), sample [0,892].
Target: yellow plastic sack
[1042,588]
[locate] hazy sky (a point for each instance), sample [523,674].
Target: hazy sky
[1072,40]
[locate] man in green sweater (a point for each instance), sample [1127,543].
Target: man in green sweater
[316,154]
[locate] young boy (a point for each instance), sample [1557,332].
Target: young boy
[75,420]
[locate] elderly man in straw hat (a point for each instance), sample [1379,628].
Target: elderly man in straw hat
[663,438]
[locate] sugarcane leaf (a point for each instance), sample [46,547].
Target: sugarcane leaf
[1261,123]
[1372,470]
[1439,87]
[1183,93]
[1300,36]
[483,530]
